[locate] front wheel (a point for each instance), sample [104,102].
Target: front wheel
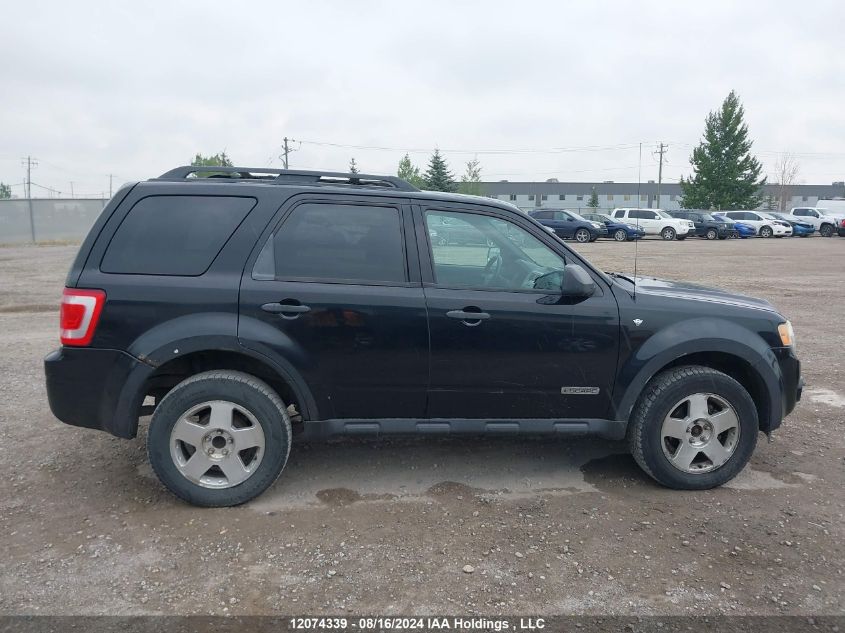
[668,234]
[582,236]
[766,231]
[620,235]
[693,428]
[219,438]
[712,234]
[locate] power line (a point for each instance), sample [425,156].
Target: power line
[512,151]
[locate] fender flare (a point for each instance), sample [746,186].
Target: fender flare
[693,336]
[188,335]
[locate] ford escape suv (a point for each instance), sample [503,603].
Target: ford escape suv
[250,307]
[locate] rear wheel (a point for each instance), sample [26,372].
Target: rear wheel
[693,428]
[582,236]
[668,234]
[219,438]
[766,231]
[712,234]
[620,235]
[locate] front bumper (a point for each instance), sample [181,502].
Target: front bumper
[792,382]
[96,388]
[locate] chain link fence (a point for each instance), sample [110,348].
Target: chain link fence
[47,220]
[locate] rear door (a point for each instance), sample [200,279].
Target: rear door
[502,346]
[335,293]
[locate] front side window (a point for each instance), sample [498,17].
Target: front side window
[336,242]
[491,254]
[174,235]
[620,214]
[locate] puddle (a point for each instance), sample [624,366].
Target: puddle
[422,469]
[750,479]
[829,397]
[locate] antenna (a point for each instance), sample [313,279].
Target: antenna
[637,241]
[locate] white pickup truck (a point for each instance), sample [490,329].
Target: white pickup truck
[824,221]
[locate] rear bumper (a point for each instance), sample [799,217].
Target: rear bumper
[96,388]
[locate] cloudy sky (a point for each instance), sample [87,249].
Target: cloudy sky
[535,90]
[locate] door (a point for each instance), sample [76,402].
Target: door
[503,342]
[334,293]
[646,220]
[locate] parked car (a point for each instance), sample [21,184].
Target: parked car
[706,225]
[824,223]
[570,225]
[656,222]
[244,311]
[619,231]
[444,232]
[744,230]
[841,229]
[799,228]
[765,225]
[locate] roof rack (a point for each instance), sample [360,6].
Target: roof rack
[285,176]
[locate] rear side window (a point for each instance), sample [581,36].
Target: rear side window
[174,235]
[336,242]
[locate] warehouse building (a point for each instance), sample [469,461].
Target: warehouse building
[576,195]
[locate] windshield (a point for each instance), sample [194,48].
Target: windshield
[708,218]
[577,216]
[663,214]
[600,217]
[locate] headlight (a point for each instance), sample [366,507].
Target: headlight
[787,334]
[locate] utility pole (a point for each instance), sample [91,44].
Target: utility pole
[287,150]
[29,162]
[110,187]
[661,150]
[71,189]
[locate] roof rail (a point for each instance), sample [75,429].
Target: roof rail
[286,176]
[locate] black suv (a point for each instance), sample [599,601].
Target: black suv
[706,225]
[255,306]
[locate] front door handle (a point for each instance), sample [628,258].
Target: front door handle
[286,310]
[469,318]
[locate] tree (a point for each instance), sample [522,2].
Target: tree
[726,174]
[5,191]
[216,160]
[593,202]
[353,166]
[410,172]
[437,176]
[471,180]
[786,175]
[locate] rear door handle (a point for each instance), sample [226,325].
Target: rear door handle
[286,310]
[470,318]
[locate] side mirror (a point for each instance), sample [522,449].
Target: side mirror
[577,282]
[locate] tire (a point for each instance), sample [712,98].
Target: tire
[766,231]
[723,237]
[256,417]
[826,230]
[712,234]
[668,234]
[582,236]
[620,235]
[659,405]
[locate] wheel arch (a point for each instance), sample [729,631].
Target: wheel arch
[750,363]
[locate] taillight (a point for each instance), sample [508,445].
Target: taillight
[80,311]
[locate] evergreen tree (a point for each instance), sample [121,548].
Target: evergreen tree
[215,160]
[409,172]
[5,190]
[593,202]
[437,176]
[471,180]
[353,166]
[726,175]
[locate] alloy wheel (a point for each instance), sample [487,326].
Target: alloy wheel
[217,444]
[700,433]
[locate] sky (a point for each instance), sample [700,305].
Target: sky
[533,90]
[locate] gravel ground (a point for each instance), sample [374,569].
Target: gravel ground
[459,526]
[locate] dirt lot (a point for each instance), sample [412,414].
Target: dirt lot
[387,527]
